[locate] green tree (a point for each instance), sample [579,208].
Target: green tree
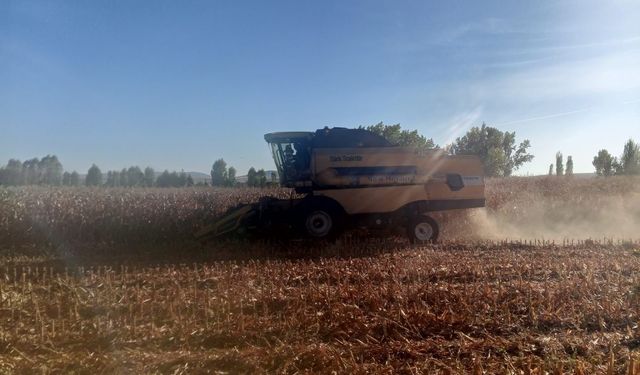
[149,177]
[135,176]
[45,171]
[603,163]
[31,171]
[550,169]
[231,176]
[174,179]
[569,171]
[74,179]
[164,180]
[496,149]
[123,179]
[13,175]
[113,179]
[261,178]
[182,179]
[66,179]
[559,164]
[630,158]
[401,137]
[618,169]
[495,162]
[94,176]
[251,177]
[51,170]
[219,173]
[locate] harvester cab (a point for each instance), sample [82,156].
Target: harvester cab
[355,178]
[292,156]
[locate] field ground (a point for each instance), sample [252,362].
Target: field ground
[455,307]
[107,281]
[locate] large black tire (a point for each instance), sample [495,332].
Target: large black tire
[423,229]
[322,219]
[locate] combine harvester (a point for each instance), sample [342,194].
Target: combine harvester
[353,178]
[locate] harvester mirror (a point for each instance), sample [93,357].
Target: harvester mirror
[454,181]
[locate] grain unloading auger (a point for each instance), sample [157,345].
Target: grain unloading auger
[353,178]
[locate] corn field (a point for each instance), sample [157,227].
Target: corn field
[109,281]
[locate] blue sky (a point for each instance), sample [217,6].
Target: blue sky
[178,84]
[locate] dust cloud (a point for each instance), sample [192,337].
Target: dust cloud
[552,208]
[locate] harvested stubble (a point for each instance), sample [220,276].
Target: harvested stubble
[106,280]
[441,309]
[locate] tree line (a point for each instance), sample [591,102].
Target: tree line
[45,171]
[502,154]
[135,177]
[498,150]
[605,164]
[627,164]
[560,167]
[49,171]
[223,176]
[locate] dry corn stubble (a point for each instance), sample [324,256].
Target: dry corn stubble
[517,208]
[354,308]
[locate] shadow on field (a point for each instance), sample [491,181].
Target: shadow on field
[184,252]
[73,256]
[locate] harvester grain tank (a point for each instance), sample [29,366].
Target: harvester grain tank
[346,178]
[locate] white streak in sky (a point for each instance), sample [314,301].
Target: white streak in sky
[559,114]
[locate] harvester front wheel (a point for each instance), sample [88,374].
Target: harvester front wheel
[322,221]
[422,229]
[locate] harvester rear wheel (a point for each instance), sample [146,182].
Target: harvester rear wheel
[422,229]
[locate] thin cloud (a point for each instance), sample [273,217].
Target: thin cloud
[561,114]
[615,42]
[518,63]
[599,75]
[553,115]
[485,26]
[452,35]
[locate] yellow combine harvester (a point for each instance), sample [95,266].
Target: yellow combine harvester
[352,178]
